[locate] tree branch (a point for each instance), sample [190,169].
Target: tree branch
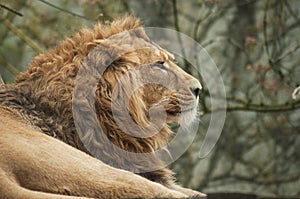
[9,66]
[22,36]
[266,108]
[265,35]
[281,57]
[66,11]
[11,10]
[260,108]
[176,24]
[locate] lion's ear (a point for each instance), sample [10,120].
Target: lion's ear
[129,40]
[114,47]
[140,33]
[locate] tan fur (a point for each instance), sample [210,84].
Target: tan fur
[38,108]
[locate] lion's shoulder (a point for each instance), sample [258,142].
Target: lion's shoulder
[8,115]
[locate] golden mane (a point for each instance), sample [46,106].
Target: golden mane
[76,48]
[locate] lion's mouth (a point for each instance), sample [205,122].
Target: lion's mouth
[182,117]
[173,113]
[176,113]
[182,112]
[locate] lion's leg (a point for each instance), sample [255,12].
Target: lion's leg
[43,163]
[10,189]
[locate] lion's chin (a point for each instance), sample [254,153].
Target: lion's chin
[188,117]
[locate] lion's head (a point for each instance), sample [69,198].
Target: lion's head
[136,81]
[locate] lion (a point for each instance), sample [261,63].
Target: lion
[49,149]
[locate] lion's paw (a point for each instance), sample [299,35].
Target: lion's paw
[188,192]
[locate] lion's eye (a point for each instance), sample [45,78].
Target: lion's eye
[160,65]
[160,62]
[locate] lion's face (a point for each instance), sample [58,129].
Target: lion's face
[156,87]
[171,87]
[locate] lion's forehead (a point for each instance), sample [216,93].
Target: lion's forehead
[154,54]
[166,55]
[161,52]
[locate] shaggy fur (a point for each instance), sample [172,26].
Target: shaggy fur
[42,97]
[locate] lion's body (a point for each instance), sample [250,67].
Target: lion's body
[38,108]
[34,165]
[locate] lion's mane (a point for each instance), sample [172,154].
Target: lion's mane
[43,97]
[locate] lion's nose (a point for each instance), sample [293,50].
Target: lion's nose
[196,89]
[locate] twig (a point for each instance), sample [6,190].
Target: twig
[22,36]
[9,17]
[11,10]
[293,26]
[175,12]
[174,3]
[67,11]
[265,109]
[266,44]
[281,57]
[9,66]
[260,108]
[291,10]
[204,24]
[266,41]
[198,23]
[236,100]
[237,45]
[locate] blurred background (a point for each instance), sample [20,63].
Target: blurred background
[254,43]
